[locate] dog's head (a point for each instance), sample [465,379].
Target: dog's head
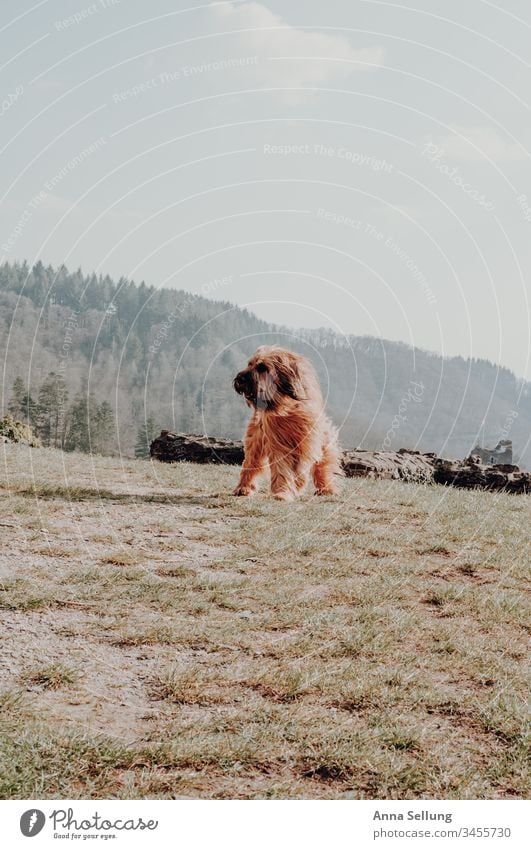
[272,375]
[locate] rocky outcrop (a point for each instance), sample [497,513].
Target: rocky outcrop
[502,454]
[376,465]
[471,474]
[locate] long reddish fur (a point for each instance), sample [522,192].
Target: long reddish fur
[293,440]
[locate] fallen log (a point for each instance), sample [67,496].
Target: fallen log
[389,465]
[403,465]
[172,447]
[189,447]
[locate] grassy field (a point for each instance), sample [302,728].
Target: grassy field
[160,638]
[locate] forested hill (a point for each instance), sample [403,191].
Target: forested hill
[102,365]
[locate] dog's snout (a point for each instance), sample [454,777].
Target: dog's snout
[241,381]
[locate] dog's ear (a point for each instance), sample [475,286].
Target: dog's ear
[289,378]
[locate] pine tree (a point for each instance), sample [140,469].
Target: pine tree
[77,436]
[30,410]
[145,436]
[89,425]
[51,409]
[101,428]
[16,404]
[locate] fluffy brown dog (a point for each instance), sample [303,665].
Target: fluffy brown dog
[288,432]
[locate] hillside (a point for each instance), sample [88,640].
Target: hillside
[133,359]
[160,638]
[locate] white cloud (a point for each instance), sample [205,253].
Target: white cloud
[312,57]
[476,144]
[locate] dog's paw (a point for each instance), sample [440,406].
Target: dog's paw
[244,491]
[329,490]
[283,496]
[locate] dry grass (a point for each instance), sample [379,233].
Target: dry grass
[50,677]
[372,645]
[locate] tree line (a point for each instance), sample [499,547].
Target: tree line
[84,424]
[101,365]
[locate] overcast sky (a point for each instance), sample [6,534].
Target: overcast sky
[357,164]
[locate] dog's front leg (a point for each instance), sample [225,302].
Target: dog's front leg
[255,460]
[328,467]
[285,483]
